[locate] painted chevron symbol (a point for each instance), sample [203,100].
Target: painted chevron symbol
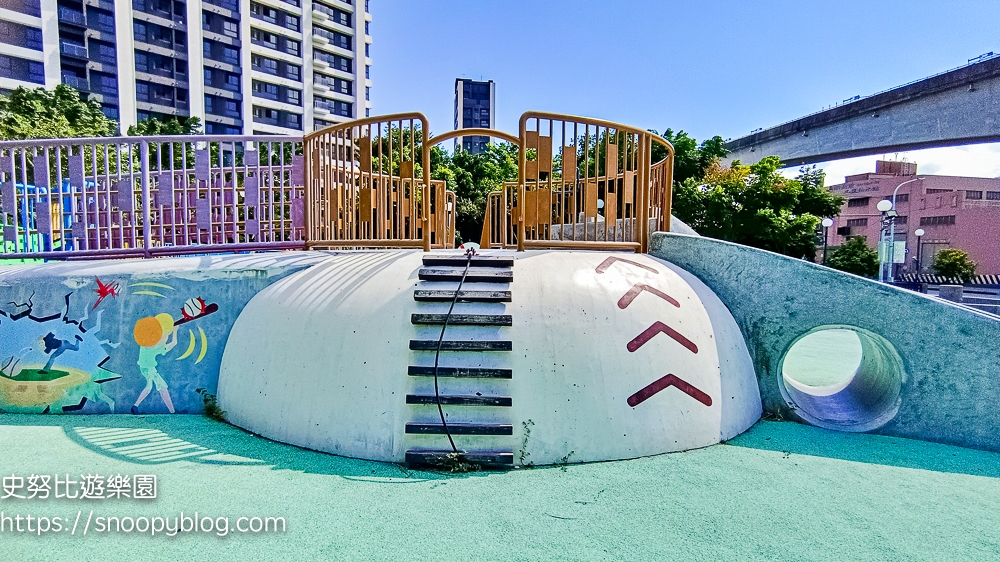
[608,262]
[637,289]
[664,383]
[656,328]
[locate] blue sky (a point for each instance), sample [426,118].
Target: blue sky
[719,67]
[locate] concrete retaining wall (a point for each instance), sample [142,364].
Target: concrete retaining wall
[939,373]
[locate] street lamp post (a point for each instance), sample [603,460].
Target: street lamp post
[892,227]
[827,223]
[920,233]
[888,217]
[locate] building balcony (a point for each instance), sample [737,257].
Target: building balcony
[73,50]
[233,5]
[76,82]
[265,120]
[102,4]
[74,17]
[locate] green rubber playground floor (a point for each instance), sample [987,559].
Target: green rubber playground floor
[781,491]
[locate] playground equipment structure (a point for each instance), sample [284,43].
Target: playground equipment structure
[582,183]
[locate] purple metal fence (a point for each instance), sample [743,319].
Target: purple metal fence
[146,196]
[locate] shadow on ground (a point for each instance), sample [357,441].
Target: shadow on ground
[158,439]
[800,439]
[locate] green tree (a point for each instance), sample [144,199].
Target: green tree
[756,206]
[954,264]
[169,126]
[855,257]
[60,113]
[691,160]
[472,177]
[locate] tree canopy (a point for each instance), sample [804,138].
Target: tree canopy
[691,160]
[472,177]
[954,264]
[854,256]
[169,126]
[60,113]
[756,206]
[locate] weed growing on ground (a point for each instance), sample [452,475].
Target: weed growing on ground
[526,430]
[565,461]
[212,409]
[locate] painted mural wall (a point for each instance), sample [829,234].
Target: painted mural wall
[120,337]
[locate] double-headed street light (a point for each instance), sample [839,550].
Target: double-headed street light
[891,214]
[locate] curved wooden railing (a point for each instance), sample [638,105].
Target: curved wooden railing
[582,183]
[366,188]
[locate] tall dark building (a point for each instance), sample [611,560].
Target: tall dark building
[474,108]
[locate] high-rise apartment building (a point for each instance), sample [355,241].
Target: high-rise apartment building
[251,66]
[474,108]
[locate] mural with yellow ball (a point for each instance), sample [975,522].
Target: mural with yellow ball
[157,336]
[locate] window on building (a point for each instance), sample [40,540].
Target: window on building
[901,220]
[262,12]
[858,202]
[231,28]
[993,195]
[336,61]
[264,38]
[368,72]
[294,120]
[857,222]
[367,31]
[937,221]
[294,97]
[231,55]
[291,22]
[368,50]
[336,38]
[232,108]
[233,80]
[208,104]
[929,191]
[293,72]
[973,194]
[900,197]
[206,49]
[139,31]
[368,93]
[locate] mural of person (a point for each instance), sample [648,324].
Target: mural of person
[156,335]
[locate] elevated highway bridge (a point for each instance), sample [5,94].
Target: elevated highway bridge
[956,107]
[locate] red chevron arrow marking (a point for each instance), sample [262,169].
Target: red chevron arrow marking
[607,263]
[634,292]
[665,382]
[657,328]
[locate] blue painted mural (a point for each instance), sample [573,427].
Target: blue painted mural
[126,342]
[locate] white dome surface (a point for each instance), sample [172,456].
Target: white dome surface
[320,358]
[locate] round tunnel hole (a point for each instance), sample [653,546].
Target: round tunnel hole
[842,377]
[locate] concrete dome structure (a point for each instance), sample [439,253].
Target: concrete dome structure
[595,356]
